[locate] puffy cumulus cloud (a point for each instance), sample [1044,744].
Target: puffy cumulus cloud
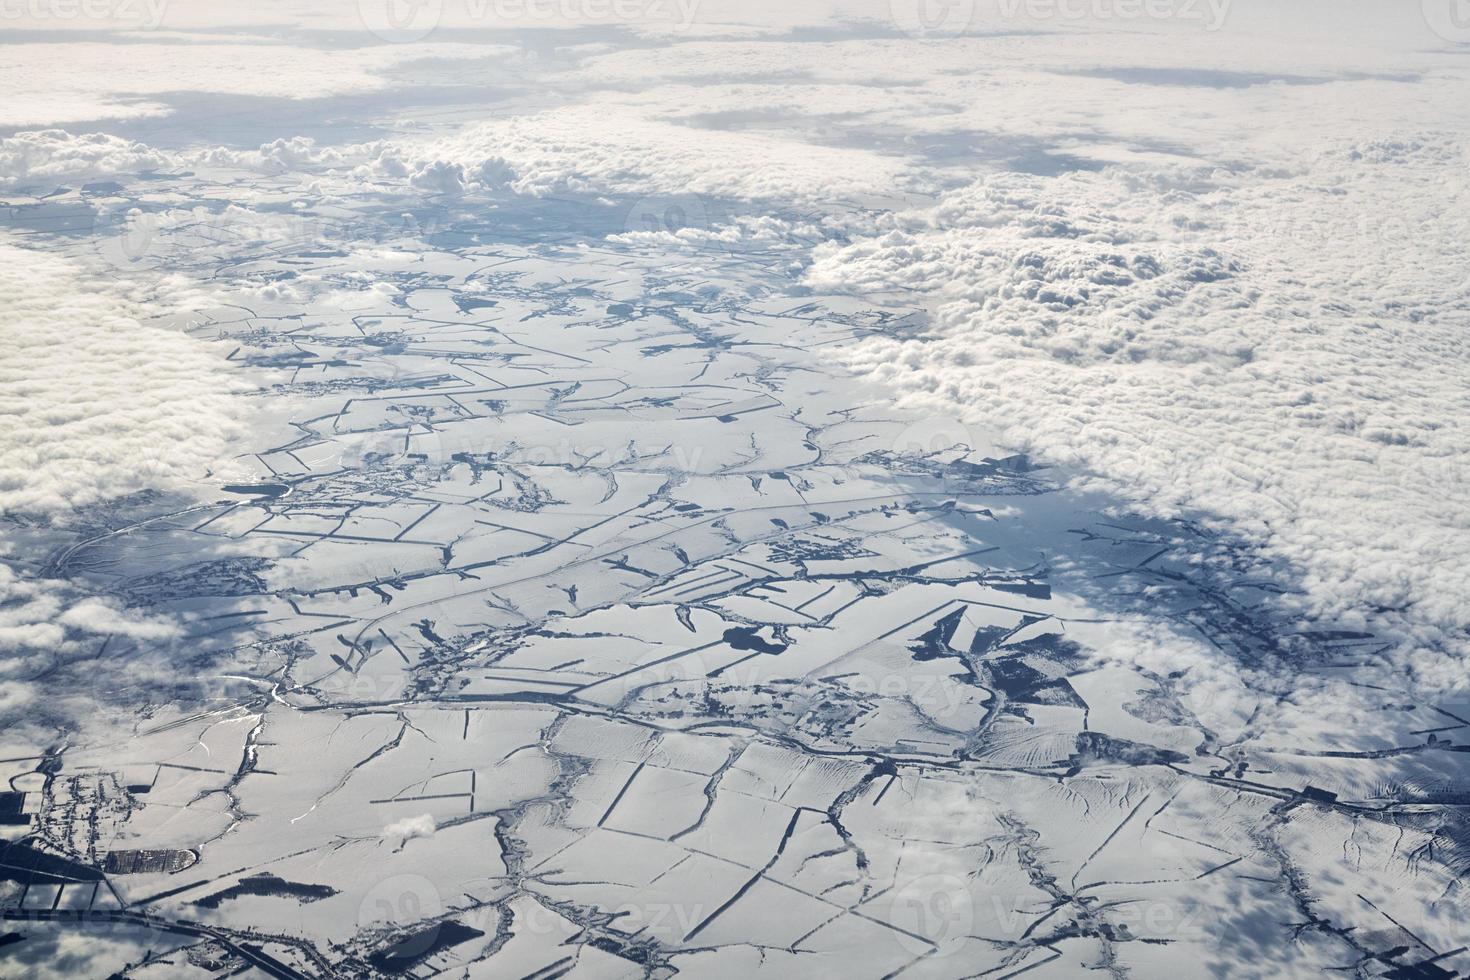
[397,167]
[284,155]
[101,616]
[41,615]
[51,156]
[1281,350]
[607,149]
[101,950]
[1229,323]
[46,157]
[686,224]
[46,626]
[438,176]
[411,827]
[93,402]
[353,292]
[601,149]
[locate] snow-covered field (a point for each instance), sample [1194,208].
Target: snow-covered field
[652,487]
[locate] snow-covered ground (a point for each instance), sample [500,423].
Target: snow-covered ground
[834,489]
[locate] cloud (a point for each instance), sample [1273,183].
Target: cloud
[44,615]
[1249,345]
[42,160]
[94,402]
[1223,325]
[106,617]
[56,84]
[605,150]
[284,155]
[51,156]
[54,630]
[410,827]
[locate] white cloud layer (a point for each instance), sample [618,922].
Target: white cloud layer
[1248,345]
[51,156]
[93,402]
[1251,315]
[47,624]
[609,150]
[56,84]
